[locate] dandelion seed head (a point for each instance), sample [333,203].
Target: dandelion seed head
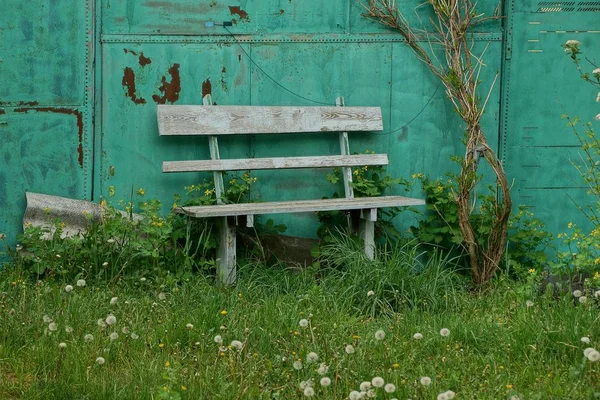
[236,344]
[303,323]
[62,345]
[111,320]
[445,332]
[47,319]
[349,349]
[442,396]
[218,339]
[389,388]
[125,330]
[142,279]
[68,329]
[370,293]
[325,381]
[100,360]
[114,336]
[577,293]
[134,336]
[380,335]
[52,326]
[425,381]
[162,296]
[189,326]
[81,283]
[312,357]
[594,356]
[529,303]
[354,395]
[378,382]
[323,369]
[583,299]
[101,323]
[88,338]
[297,365]
[585,340]
[418,336]
[364,386]
[68,288]
[309,391]
[588,350]
[597,293]
[450,394]
[113,301]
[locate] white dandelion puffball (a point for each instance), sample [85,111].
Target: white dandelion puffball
[236,344]
[162,296]
[577,293]
[100,360]
[189,326]
[450,394]
[594,356]
[304,384]
[142,279]
[445,332]
[297,365]
[588,350]
[425,381]
[390,388]
[218,339]
[81,283]
[68,288]
[111,319]
[364,386]
[52,326]
[114,336]
[354,395]
[325,381]
[88,338]
[113,301]
[380,335]
[585,340]
[378,382]
[349,349]
[370,293]
[529,303]
[309,391]
[418,336]
[442,396]
[597,293]
[312,357]
[125,330]
[47,319]
[303,323]
[68,329]
[323,369]
[62,345]
[583,299]
[101,323]
[134,336]
[370,394]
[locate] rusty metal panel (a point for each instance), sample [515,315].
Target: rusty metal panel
[138,77]
[189,17]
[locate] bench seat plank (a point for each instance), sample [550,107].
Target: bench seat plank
[356,160]
[235,120]
[282,207]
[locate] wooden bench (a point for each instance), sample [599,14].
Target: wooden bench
[214,121]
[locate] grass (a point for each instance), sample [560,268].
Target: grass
[498,347]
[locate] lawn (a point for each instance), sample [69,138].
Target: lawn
[413,329]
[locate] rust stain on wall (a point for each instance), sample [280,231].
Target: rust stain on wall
[206,88]
[67,111]
[143,60]
[170,89]
[281,12]
[129,83]
[2,112]
[237,10]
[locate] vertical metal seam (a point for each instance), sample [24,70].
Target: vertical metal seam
[391,93]
[97,102]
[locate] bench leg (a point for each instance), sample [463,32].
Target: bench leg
[226,260]
[367,231]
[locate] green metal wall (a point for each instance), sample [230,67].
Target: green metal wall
[115,60]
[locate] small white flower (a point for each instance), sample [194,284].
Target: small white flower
[585,340]
[425,381]
[354,395]
[378,382]
[529,303]
[594,356]
[68,288]
[596,71]
[312,357]
[577,293]
[52,326]
[297,365]
[114,336]
[101,323]
[113,301]
[88,338]
[309,391]
[380,335]
[236,344]
[390,388]
[62,345]
[325,381]
[445,332]
[68,329]
[573,43]
[349,349]
[81,283]
[323,369]
[125,330]
[597,117]
[162,296]
[47,319]
[442,396]
[218,339]
[142,279]
[100,360]
[583,299]
[189,326]
[303,323]
[134,336]
[450,394]
[105,264]
[111,319]
[370,293]
[588,350]
[418,336]
[364,386]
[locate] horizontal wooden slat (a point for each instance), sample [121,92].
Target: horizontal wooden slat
[282,207]
[357,160]
[233,120]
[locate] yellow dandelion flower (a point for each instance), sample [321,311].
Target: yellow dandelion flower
[183,388]
[141,192]
[396,365]
[103,203]
[167,364]
[355,337]
[222,354]
[509,386]
[570,225]
[111,191]
[223,312]
[161,345]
